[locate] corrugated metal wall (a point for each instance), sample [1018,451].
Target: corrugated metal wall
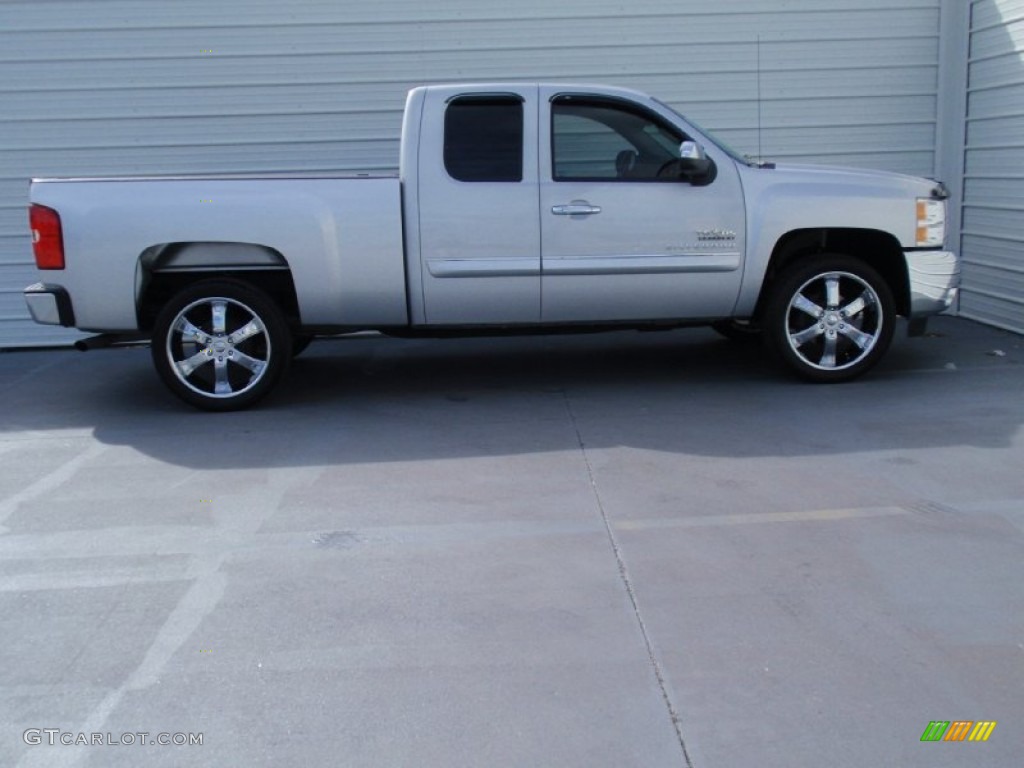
[176,86]
[993,214]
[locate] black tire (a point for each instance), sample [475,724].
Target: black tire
[830,318]
[741,331]
[221,345]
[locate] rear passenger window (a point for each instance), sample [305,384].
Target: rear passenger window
[483,138]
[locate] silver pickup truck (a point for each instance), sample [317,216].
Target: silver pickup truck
[517,207]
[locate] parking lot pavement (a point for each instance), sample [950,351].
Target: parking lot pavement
[622,550]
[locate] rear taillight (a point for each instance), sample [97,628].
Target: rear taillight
[47,238]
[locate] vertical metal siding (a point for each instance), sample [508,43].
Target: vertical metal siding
[993,233]
[120,87]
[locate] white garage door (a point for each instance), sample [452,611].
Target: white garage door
[993,216]
[111,87]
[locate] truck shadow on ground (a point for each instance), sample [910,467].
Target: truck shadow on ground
[372,399]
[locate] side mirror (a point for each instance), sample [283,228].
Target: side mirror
[694,165]
[691,150]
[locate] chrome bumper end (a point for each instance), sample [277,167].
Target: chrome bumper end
[49,305]
[934,281]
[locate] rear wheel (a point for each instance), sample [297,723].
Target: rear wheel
[830,318]
[221,345]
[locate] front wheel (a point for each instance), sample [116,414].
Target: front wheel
[830,318]
[221,345]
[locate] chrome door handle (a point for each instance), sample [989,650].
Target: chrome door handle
[575,209]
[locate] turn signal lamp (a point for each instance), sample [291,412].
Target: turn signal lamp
[931,223]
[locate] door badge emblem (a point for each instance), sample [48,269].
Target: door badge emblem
[714,235]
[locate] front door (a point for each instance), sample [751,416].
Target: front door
[623,237]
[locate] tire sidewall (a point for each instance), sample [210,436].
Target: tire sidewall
[777,311]
[261,305]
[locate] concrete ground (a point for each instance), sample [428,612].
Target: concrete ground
[622,550]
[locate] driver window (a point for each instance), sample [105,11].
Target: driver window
[596,140]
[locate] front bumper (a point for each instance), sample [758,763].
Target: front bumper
[50,305]
[934,281]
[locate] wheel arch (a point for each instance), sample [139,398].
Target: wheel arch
[877,248]
[168,268]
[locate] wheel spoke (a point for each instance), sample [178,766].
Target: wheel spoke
[188,366]
[858,305]
[219,312]
[828,357]
[807,306]
[220,371]
[189,332]
[832,291]
[251,363]
[247,331]
[801,338]
[857,336]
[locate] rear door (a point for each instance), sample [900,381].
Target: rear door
[623,236]
[478,196]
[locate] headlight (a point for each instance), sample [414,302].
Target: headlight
[931,223]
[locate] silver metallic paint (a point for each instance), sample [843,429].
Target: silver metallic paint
[424,249]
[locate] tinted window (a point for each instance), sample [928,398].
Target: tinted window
[609,141]
[483,139]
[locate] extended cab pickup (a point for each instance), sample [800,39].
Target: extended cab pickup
[517,207]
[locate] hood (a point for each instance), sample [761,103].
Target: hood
[855,178]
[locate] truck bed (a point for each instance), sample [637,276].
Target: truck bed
[340,237]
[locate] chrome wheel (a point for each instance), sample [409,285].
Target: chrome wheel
[834,321]
[830,318]
[221,345]
[218,347]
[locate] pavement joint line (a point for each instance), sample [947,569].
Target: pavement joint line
[164,541]
[630,592]
[167,541]
[709,521]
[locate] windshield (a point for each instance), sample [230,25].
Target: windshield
[734,154]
